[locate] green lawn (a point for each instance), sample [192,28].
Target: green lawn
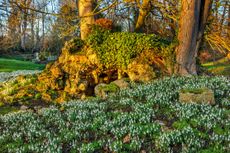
[8,65]
[220,67]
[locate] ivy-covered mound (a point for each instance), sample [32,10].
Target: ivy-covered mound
[103,57]
[146,118]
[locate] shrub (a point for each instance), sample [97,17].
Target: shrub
[75,45]
[116,50]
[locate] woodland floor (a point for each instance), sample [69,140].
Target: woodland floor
[13,66]
[144,118]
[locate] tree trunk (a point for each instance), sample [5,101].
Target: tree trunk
[143,12]
[32,31]
[37,40]
[205,10]
[228,28]
[193,19]
[24,28]
[86,14]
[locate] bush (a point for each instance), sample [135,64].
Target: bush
[144,118]
[116,50]
[75,44]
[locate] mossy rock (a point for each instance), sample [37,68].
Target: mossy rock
[140,72]
[122,83]
[104,57]
[103,90]
[197,95]
[195,90]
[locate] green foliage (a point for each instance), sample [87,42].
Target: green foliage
[119,48]
[112,87]
[38,96]
[225,102]
[129,121]
[180,124]
[7,109]
[75,44]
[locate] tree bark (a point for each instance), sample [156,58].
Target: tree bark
[24,23]
[32,33]
[193,19]
[24,28]
[228,30]
[205,10]
[43,30]
[32,18]
[143,12]
[86,14]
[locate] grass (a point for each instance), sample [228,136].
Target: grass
[8,65]
[220,67]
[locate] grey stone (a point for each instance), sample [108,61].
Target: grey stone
[103,90]
[23,107]
[121,83]
[99,92]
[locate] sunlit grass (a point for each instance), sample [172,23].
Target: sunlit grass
[8,65]
[220,67]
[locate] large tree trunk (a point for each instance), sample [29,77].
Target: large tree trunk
[143,12]
[86,15]
[193,19]
[228,30]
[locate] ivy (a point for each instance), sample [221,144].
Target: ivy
[119,48]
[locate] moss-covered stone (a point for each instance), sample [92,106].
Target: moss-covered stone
[102,58]
[141,72]
[200,96]
[194,91]
[121,83]
[103,90]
